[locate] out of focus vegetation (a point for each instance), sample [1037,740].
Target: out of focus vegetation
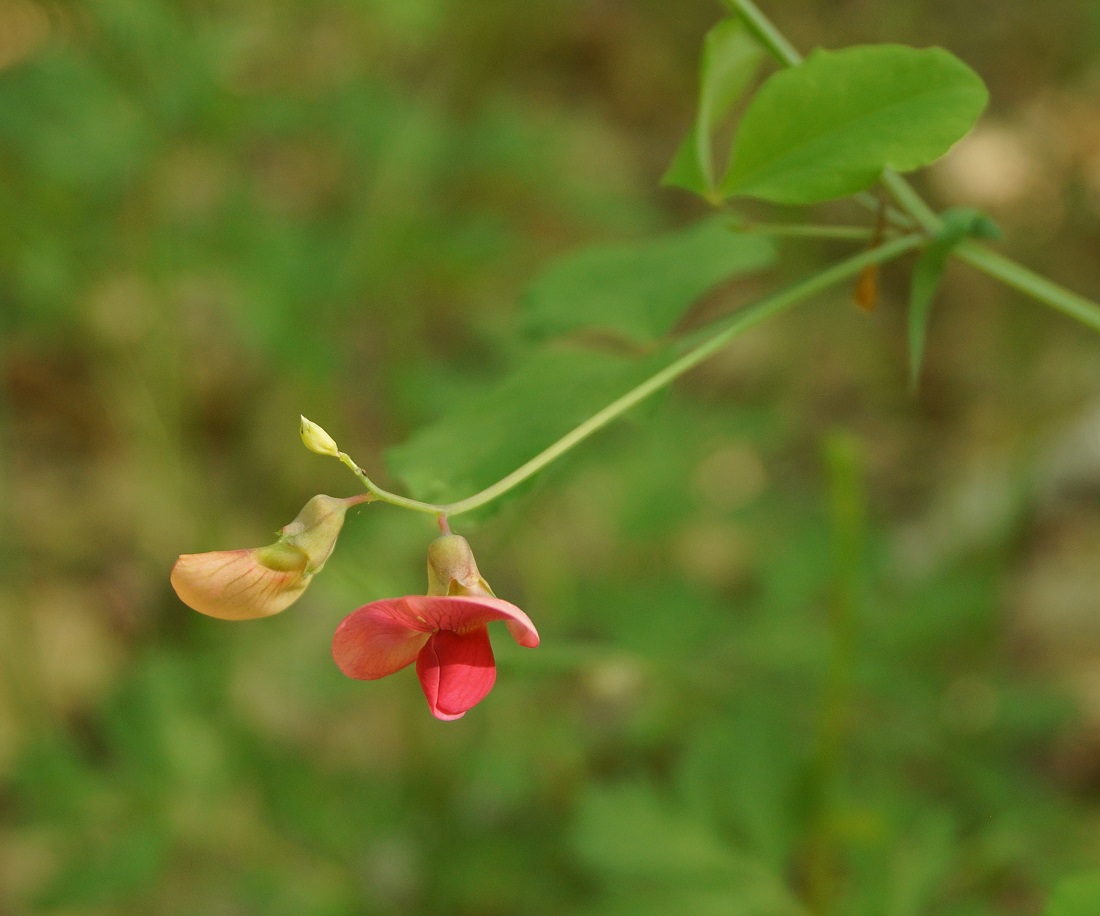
[808,641]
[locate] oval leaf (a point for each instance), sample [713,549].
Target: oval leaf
[828,127]
[640,290]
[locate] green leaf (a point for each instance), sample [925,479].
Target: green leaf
[617,828]
[115,866]
[651,853]
[958,224]
[730,59]
[828,127]
[484,437]
[1078,895]
[641,290]
[742,774]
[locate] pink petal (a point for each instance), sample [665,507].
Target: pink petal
[380,638]
[461,613]
[235,584]
[456,671]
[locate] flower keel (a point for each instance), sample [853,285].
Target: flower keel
[456,671]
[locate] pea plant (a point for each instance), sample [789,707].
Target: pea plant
[839,124]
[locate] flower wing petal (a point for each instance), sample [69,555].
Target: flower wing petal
[456,670]
[235,585]
[380,638]
[460,613]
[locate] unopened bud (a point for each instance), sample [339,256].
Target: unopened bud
[317,440]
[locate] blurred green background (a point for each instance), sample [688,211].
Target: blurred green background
[810,643]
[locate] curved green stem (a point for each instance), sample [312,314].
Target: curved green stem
[385,495]
[714,339]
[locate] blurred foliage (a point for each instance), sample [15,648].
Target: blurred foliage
[219,216]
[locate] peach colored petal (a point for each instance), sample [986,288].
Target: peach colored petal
[235,585]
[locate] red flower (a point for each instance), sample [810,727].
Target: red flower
[445,632]
[446,635]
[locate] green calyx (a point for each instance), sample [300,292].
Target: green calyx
[313,533]
[452,569]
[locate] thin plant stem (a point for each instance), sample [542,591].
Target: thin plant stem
[714,339]
[911,202]
[897,218]
[765,32]
[1030,283]
[847,500]
[806,231]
